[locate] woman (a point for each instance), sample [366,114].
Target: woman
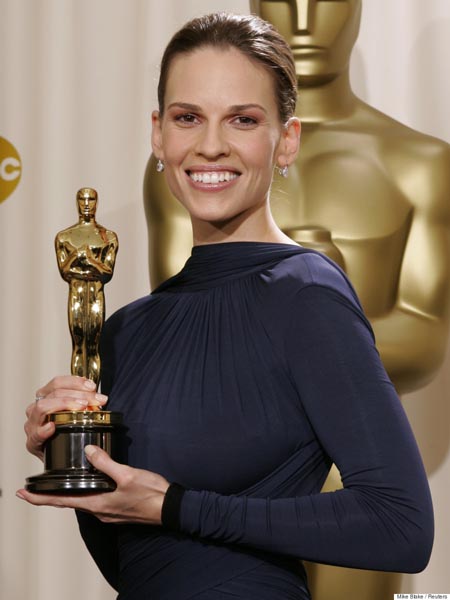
[246,375]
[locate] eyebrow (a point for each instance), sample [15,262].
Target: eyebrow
[233,108]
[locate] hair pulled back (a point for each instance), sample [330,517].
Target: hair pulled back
[253,36]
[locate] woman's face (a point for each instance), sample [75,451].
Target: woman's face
[220,135]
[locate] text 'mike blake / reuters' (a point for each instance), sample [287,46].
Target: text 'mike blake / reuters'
[242,378]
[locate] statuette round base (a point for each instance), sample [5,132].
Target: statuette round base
[66,467]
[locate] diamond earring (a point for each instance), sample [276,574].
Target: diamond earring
[160,166]
[283,171]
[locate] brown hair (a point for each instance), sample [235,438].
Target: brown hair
[253,36]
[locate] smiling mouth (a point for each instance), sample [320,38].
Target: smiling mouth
[212,177]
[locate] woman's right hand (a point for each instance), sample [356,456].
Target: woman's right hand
[66,392]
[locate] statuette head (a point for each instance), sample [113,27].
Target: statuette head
[86,202]
[321,33]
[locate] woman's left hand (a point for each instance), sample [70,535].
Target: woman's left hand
[138,497]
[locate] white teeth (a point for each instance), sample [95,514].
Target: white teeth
[212,177]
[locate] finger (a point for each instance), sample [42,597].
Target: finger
[39,499]
[37,412]
[37,436]
[65,392]
[58,501]
[72,382]
[64,399]
[30,409]
[104,463]
[73,387]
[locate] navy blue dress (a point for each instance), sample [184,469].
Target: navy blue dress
[243,378]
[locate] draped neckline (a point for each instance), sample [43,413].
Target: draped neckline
[211,265]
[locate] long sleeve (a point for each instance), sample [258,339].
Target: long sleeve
[383,518]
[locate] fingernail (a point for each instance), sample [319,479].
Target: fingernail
[47,427]
[89,450]
[101,398]
[90,385]
[19,495]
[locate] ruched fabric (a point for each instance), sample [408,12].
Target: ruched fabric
[243,378]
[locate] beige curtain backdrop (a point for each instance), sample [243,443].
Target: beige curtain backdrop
[78,82]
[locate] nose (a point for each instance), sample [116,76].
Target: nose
[212,142]
[305,15]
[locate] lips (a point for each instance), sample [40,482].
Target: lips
[302,51]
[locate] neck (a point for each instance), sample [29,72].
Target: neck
[86,219]
[320,100]
[259,226]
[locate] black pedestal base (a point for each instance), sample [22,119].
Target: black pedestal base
[67,470]
[69,483]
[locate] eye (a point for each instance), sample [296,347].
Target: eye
[186,119]
[245,122]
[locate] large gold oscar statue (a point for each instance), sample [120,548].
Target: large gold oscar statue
[368,188]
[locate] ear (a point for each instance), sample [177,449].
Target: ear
[289,143]
[157,135]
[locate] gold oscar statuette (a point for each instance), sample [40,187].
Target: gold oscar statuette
[86,254]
